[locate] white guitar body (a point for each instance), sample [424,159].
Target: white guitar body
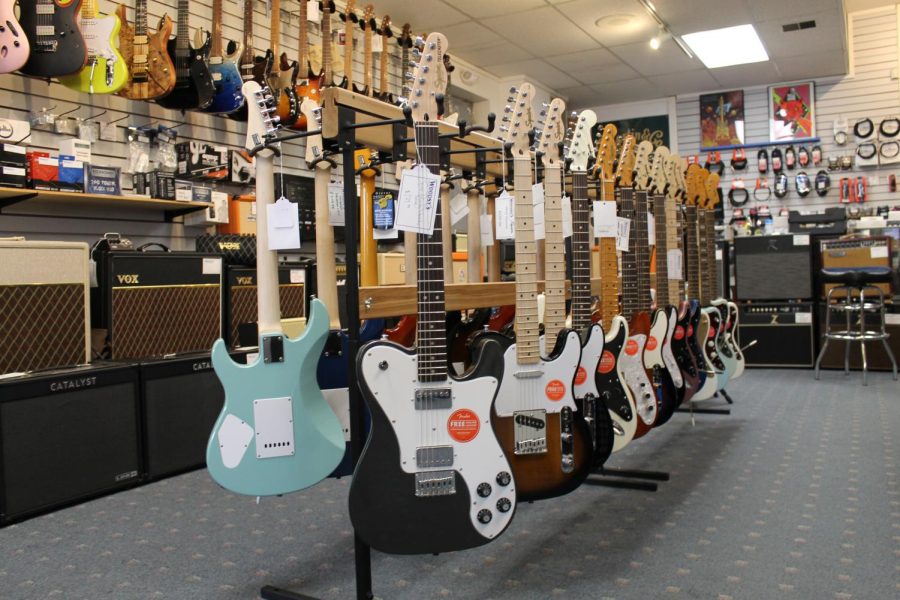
[735,347]
[391,375]
[636,378]
[653,350]
[710,385]
[668,357]
[585,382]
[624,430]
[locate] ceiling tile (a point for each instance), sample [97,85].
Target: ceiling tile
[766,10]
[820,64]
[672,84]
[743,76]
[647,61]
[608,74]
[581,96]
[538,69]
[828,34]
[589,59]
[436,13]
[688,16]
[480,9]
[627,21]
[466,35]
[546,32]
[624,91]
[496,53]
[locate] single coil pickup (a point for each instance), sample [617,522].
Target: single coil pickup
[567,439]
[529,374]
[528,421]
[434,399]
[435,483]
[434,456]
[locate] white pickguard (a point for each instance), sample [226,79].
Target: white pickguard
[97,33]
[654,343]
[636,379]
[477,461]
[667,354]
[708,389]
[624,430]
[738,353]
[590,356]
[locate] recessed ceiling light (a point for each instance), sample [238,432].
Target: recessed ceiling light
[615,21]
[727,47]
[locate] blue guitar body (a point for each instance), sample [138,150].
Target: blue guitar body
[227,80]
[276,433]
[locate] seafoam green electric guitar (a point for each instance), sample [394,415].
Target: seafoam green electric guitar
[276,433]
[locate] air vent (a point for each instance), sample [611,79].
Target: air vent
[798,26]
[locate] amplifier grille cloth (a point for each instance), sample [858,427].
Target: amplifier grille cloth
[41,326]
[244,307]
[160,320]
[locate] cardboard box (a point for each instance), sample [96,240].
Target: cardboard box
[78,149]
[102,180]
[184,191]
[197,160]
[14,177]
[241,169]
[43,171]
[13,155]
[217,213]
[71,174]
[201,194]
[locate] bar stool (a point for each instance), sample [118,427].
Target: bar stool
[849,280]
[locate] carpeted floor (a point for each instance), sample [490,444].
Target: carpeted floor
[794,495]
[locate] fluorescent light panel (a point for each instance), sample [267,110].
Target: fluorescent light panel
[727,47]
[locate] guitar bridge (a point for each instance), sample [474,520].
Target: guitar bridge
[435,483]
[530,431]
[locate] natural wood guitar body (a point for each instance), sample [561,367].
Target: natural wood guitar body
[159,77]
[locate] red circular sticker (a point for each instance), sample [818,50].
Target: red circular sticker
[607,362]
[712,332]
[651,343]
[690,330]
[555,390]
[580,376]
[631,348]
[679,332]
[463,425]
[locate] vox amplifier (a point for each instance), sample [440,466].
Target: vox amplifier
[783,333]
[154,304]
[240,298]
[44,318]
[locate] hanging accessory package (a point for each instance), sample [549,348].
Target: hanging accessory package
[781,185]
[739,160]
[823,183]
[790,158]
[738,194]
[777,164]
[801,181]
[762,192]
[762,161]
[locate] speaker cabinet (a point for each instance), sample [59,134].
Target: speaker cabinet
[783,334]
[67,436]
[241,298]
[773,267]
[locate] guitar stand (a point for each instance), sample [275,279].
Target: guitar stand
[623,475]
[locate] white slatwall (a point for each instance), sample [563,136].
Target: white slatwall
[19,95]
[869,91]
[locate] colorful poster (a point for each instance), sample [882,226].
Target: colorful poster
[722,119]
[792,111]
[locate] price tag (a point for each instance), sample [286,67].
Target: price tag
[298,276]
[674,264]
[623,232]
[336,204]
[377,44]
[803,317]
[537,194]
[718,254]
[878,251]
[312,11]
[504,208]
[283,225]
[605,225]
[212,266]
[487,231]
[418,200]
[651,229]
[801,240]
[459,208]
[892,319]
[567,216]
[539,229]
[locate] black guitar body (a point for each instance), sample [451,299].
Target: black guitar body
[596,413]
[458,338]
[62,53]
[684,356]
[693,345]
[667,395]
[384,509]
[612,389]
[195,89]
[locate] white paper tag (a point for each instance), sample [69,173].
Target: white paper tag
[505,210]
[566,216]
[336,204]
[377,43]
[537,194]
[539,229]
[803,317]
[212,266]
[298,276]
[312,11]
[283,225]
[417,200]
[878,251]
[801,240]
[605,225]
[892,319]
[718,254]
[487,231]
[651,229]
[109,132]
[459,208]
[623,232]
[674,264]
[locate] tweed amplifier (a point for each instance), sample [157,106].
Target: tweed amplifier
[773,267]
[240,298]
[856,252]
[154,304]
[44,318]
[783,333]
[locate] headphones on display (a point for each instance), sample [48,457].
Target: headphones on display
[823,183]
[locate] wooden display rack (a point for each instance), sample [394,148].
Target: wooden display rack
[169,208]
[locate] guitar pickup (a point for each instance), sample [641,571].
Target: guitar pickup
[567,439]
[530,431]
[430,457]
[434,399]
[435,483]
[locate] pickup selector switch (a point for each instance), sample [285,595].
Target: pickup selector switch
[485,516]
[484,489]
[504,504]
[504,478]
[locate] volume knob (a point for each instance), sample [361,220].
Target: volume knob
[485,516]
[484,489]
[504,504]
[503,478]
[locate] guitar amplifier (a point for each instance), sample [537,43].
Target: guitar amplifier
[240,298]
[43,305]
[773,267]
[154,304]
[783,333]
[66,436]
[876,358]
[856,252]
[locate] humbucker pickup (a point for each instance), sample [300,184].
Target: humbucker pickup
[530,431]
[434,456]
[435,483]
[434,398]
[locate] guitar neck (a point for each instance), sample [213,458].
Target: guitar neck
[269,310]
[639,233]
[326,268]
[581,253]
[447,234]
[383,65]
[713,273]
[692,251]
[248,53]
[275,28]
[609,265]
[554,253]
[183,39]
[673,242]
[473,231]
[89,9]
[367,61]
[630,292]
[326,45]
[140,18]
[303,41]
[216,48]
[403,62]
[662,249]
[527,334]
[348,51]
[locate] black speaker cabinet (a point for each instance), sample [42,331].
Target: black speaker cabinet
[240,298]
[876,358]
[773,267]
[66,436]
[783,334]
[181,399]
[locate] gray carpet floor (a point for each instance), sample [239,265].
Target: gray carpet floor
[794,495]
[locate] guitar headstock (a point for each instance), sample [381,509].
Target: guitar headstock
[658,169]
[261,106]
[674,182]
[642,165]
[607,153]
[349,12]
[427,83]
[553,132]
[406,36]
[581,146]
[327,6]
[711,189]
[368,19]
[625,166]
[518,118]
[385,28]
[310,109]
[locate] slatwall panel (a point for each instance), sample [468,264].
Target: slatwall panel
[19,95]
[868,92]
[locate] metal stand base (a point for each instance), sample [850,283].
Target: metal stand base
[634,474]
[705,411]
[600,481]
[273,593]
[727,397]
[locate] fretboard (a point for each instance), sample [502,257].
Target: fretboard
[609,266]
[140,18]
[183,39]
[248,54]
[692,251]
[383,88]
[431,325]
[326,45]
[275,27]
[712,271]
[673,242]
[367,61]
[403,62]
[639,234]
[554,254]
[216,47]
[581,253]
[348,50]
[528,349]
[303,41]
[630,291]
[662,245]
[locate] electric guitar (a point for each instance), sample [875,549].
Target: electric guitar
[349,18]
[384,94]
[57,46]
[432,476]
[151,73]
[539,425]
[305,83]
[105,71]
[283,72]
[367,24]
[609,375]
[194,87]
[14,46]
[224,69]
[276,433]
[588,395]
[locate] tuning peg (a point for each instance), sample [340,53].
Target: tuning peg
[510,98]
[507,109]
[513,90]
[416,52]
[543,113]
[406,88]
[409,75]
[504,128]
[412,64]
[419,41]
[504,120]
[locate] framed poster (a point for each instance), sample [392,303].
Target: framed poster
[653,129]
[722,119]
[792,111]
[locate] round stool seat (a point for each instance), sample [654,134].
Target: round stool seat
[856,276]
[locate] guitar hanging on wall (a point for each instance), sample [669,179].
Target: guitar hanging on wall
[305,83]
[367,24]
[14,45]
[151,73]
[194,88]
[105,71]
[57,46]
[224,69]
[276,433]
[432,476]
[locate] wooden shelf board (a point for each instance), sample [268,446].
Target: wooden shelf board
[10,196]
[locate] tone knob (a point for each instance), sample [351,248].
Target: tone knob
[503,505]
[485,516]
[503,478]
[484,489]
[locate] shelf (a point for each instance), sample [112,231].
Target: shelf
[169,208]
